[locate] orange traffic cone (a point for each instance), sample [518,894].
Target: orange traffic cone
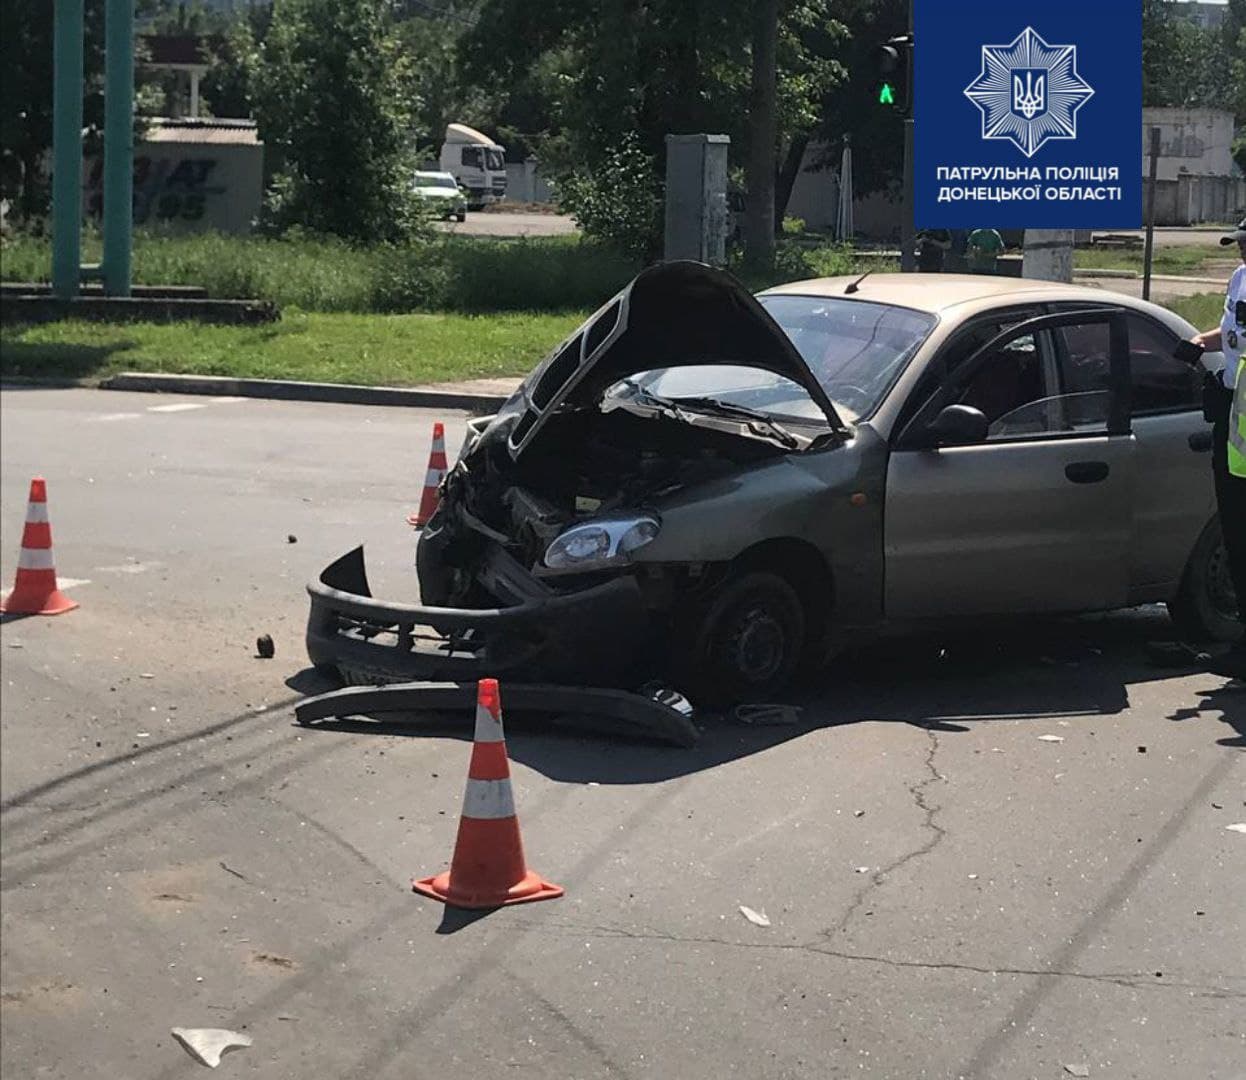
[432,481]
[488,867]
[34,591]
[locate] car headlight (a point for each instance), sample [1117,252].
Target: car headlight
[595,543]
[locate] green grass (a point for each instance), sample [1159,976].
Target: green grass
[1190,260]
[448,273]
[393,350]
[1203,309]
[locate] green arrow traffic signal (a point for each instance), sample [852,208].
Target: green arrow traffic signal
[887,95]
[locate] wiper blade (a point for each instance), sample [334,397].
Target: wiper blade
[726,408]
[686,410]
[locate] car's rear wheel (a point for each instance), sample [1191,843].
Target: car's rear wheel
[1205,607]
[743,642]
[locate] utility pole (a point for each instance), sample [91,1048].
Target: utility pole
[67,57]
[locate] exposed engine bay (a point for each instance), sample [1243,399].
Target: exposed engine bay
[586,465]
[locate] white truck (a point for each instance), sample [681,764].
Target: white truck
[476,162]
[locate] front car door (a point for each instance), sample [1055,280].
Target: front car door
[1035,518]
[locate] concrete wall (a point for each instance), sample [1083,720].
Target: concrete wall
[525,184]
[1196,141]
[1195,200]
[189,187]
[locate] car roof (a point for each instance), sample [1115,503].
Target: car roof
[935,293]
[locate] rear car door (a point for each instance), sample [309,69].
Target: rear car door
[1035,518]
[1176,499]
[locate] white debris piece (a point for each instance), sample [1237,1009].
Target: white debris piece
[1077,1070]
[863,869]
[1051,738]
[206,1045]
[757,918]
[1239,827]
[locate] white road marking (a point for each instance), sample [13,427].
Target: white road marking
[106,417]
[62,583]
[183,406]
[228,400]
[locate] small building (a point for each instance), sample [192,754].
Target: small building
[191,176]
[185,58]
[1197,178]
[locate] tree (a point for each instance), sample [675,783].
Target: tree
[26,97]
[762,136]
[618,69]
[331,93]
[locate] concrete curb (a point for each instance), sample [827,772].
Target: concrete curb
[280,390]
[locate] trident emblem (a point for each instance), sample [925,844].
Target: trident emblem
[1029,98]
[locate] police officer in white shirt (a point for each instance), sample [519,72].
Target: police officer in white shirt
[1228,338]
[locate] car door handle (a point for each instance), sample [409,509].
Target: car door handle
[1087,472]
[1200,442]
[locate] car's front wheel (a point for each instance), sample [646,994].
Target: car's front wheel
[1205,607]
[743,642]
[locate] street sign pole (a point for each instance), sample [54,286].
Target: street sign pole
[67,148]
[1150,216]
[908,257]
[118,145]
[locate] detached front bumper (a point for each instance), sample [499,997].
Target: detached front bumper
[586,638]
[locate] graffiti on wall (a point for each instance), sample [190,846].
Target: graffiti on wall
[165,189]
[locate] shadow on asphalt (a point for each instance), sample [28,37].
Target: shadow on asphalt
[944,682]
[1230,702]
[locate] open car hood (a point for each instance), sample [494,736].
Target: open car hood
[675,314]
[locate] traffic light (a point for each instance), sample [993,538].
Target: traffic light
[893,65]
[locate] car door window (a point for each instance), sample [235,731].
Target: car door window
[1012,390]
[959,349]
[1160,382]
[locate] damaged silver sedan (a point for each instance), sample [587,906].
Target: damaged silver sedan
[706,490]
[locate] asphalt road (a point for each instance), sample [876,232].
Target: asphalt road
[949,894]
[506,223]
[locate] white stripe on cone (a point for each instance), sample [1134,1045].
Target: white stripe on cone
[35,559]
[488,729]
[36,513]
[488,800]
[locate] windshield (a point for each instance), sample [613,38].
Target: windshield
[855,349]
[496,162]
[435,180]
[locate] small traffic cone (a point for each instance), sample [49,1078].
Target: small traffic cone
[34,591]
[488,868]
[432,481]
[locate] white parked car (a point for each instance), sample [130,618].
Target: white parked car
[443,194]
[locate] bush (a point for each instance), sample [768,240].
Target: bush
[617,203]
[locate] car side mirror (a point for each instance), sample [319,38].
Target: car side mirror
[958,425]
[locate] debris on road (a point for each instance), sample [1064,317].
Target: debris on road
[231,870]
[757,918]
[16,645]
[147,675]
[767,715]
[207,1045]
[1141,749]
[1051,738]
[292,539]
[863,869]
[1239,827]
[858,813]
[264,647]
[1077,1070]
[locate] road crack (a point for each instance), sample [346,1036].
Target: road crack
[1141,980]
[918,793]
